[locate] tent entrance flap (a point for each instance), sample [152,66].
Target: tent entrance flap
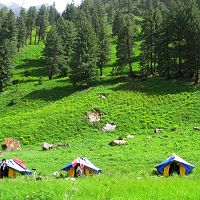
[166,171]
[72,172]
[174,168]
[11,173]
[182,170]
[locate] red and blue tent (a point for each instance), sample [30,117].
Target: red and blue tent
[81,166]
[15,165]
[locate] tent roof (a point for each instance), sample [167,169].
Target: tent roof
[172,158]
[16,166]
[83,162]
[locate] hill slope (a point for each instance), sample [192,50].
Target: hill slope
[55,112]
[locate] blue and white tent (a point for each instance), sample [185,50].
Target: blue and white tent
[174,164]
[81,166]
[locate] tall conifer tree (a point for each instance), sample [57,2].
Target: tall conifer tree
[84,59]
[125,43]
[22,31]
[41,23]
[53,52]
[30,22]
[7,47]
[103,32]
[67,32]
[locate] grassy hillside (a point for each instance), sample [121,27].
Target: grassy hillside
[55,112]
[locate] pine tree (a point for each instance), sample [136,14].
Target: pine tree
[7,47]
[86,7]
[151,23]
[8,29]
[53,52]
[103,32]
[70,13]
[30,22]
[67,32]
[125,43]
[53,15]
[163,52]
[178,46]
[192,39]
[110,10]
[85,53]
[117,23]
[21,26]
[41,23]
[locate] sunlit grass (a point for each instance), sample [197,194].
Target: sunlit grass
[55,112]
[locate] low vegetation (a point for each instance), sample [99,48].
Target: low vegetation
[138,81]
[56,112]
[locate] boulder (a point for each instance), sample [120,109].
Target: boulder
[158,130]
[103,96]
[93,117]
[62,145]
[109,127]
[197,128]
[11,144]
[56,174]
[47,146]
[117,142]
[130,136]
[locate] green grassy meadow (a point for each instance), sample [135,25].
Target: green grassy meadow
[55,112]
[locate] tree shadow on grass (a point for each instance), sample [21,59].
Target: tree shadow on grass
[152,86]
[35,68]
[51,94]
[112,80]
[156,86]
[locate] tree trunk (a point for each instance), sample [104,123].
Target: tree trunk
[39,36]
[50,73]
[130,69]
[151,66]
[36,35]
[129,57]
[197,77]
[179,68]
[1,86]
[30,37]
[101,69]
[168,75]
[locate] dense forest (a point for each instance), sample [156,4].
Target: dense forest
[78,41]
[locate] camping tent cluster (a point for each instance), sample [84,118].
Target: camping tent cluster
[81,166]
[9,167]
